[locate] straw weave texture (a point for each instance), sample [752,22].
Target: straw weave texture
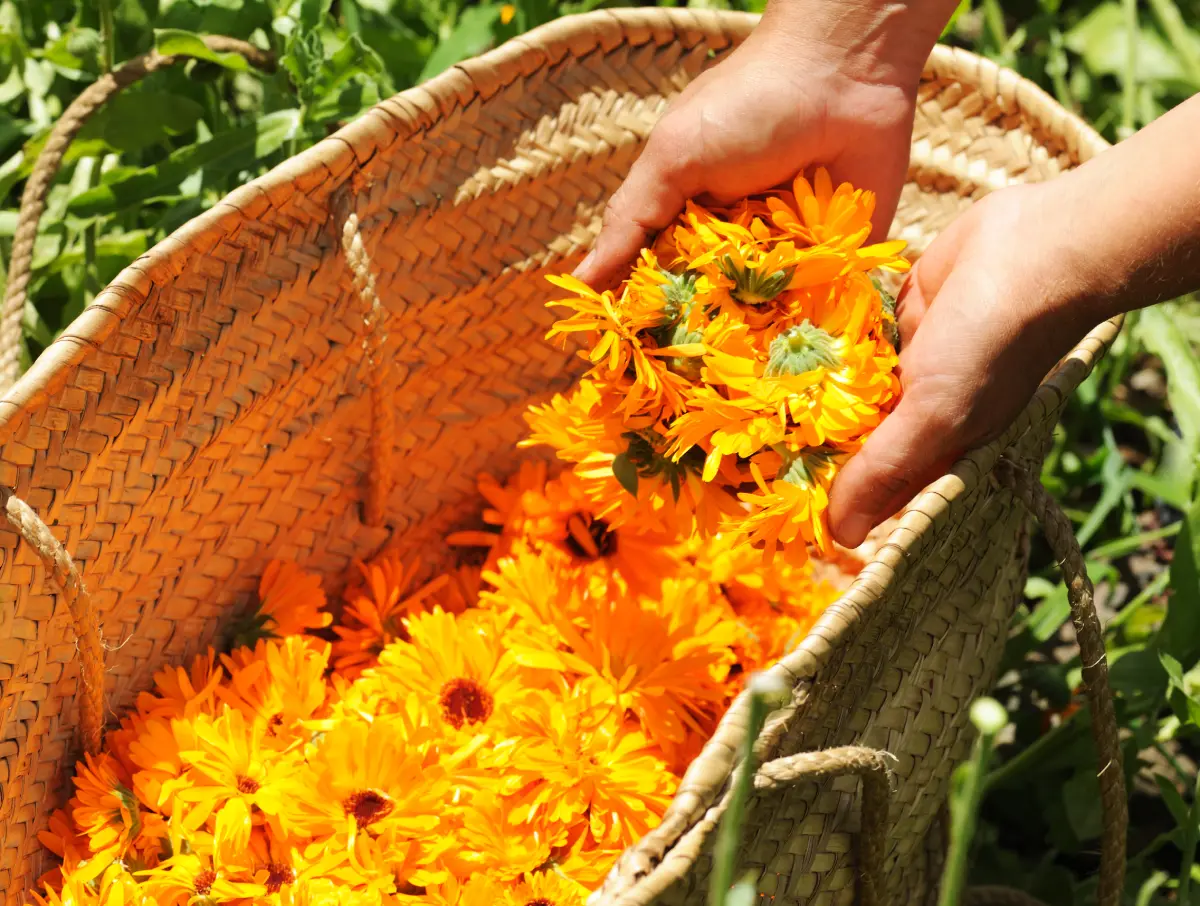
[213,410]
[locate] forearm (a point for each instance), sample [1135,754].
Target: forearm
[880,41]
[1131,218]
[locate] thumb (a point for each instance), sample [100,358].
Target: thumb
[908,450]
[652,196]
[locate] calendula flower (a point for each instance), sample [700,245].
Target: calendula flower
[491,842]
[104,808]
[456,665]
[277,684]
[188,878]
[239,780]
[545,888]
[375,610]
[576,762]
[290,602]
[183,693]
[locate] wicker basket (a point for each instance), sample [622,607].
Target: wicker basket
[330,356]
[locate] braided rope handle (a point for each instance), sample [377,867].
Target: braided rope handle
[383,418]
[37,187]
[1060,535]
[871,767]
[870,764]
[65,573]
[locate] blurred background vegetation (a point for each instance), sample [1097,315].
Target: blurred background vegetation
[1124,459]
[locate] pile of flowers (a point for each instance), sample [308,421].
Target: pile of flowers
[499,732]
[748,353]
[496,734]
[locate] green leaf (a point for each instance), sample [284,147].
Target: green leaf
[1081,798]
[265,136]
[312,12]
[139,119]
[1055,609]
[1100,38]
[177,42]
[1158,330]
[472,35]
[1180,633]
[626,473]
[1172,800]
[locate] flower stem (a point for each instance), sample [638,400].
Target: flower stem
[967,789]
[763,695]
[107,38]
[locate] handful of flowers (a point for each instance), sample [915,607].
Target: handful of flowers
[746,355]
[496,734]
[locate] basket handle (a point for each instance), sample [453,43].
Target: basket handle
[869,764]
[33,198]
[65,573]
[871,767]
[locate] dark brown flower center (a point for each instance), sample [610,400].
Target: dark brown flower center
[204,882]
[590,539]
[368,806]
[247,785]
[278,875]
[540,901]
[465,701]
[274,724]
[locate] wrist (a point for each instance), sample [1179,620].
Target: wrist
[865,41]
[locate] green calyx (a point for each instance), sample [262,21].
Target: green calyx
[801,349]
[645,458]
[752,285]
[799,468]
[678,292]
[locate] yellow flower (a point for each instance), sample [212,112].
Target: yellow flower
[191,878]
[291,602]
[791,510]
[375,610]
[455,665]
[575,762]
[381,783]
[238,780]
[545,888]
[278,684]
[840,218]
[104,808]
[490,841]
[183,693]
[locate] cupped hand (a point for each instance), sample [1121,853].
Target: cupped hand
[985,314]
[775,107]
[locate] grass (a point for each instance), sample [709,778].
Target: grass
[1123,460]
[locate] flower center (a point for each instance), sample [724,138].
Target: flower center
[801,349]
[465,701]
[204,882]
[247,785]
[368,806]
[278,875]
[588,538]
[540,901]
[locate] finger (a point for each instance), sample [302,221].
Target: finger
[911,306]
[652,196]
[904,454]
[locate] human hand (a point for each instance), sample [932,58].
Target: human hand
[985,314]
[782,102]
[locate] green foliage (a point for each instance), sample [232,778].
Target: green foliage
[1123,463]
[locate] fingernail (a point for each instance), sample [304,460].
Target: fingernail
[585,263]
[854,529]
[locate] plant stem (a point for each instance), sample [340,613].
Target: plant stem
[1191,836]
[107,38]
[730,832]
[1180,36]
[1156,587]
[967,790]
[1035,752]
[1129,82]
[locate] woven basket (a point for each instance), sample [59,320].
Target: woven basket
[328,358]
